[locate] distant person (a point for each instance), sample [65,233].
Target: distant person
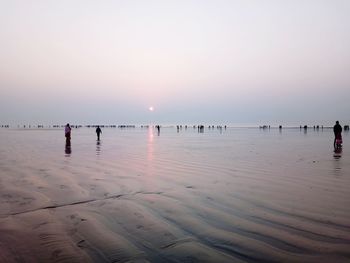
[337,129]
[158,129]
[67,132]
[98,132]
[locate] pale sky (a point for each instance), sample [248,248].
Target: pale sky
[219,61]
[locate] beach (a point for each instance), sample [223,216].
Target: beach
[224,195]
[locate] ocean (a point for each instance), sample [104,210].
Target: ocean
[221,195]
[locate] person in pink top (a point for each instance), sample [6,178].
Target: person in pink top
[67,132]
[337,129]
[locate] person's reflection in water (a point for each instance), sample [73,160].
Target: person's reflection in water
[68,148]
[337,153]
[337,161]
[98,147]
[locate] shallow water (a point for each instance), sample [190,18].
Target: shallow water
[236,195]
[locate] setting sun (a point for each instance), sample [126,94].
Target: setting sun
[151,108]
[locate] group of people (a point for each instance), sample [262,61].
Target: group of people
[337,129]
[68,129]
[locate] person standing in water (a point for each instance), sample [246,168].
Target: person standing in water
[337,129]
[67,132]
[98,132]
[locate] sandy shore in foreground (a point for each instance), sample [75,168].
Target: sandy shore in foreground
[193,204]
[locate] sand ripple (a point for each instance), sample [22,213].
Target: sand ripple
[188,197]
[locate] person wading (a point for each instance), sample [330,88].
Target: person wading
[67,133]
[337,129]
[98,132]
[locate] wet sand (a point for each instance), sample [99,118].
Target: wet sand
[243,195]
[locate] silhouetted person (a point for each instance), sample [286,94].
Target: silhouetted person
[67,133]
[158,129]
[200,128]
[337,129]
[98,132]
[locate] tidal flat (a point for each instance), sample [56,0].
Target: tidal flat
[224,195]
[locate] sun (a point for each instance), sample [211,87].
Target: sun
[151,108]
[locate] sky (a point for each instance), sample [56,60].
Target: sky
[194,61]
